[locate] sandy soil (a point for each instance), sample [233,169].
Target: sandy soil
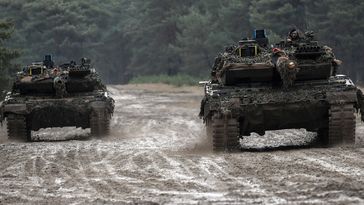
[158,153]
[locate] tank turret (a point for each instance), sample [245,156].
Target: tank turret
[249,62]
[46,95]
[40,77]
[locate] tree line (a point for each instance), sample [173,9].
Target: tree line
[7,68]
[130,38]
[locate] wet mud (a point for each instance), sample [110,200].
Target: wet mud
[158,153]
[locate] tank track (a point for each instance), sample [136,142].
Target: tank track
[17,128]
[100,124]
[342,124]
[224,132]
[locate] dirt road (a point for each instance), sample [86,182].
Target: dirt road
[158,152]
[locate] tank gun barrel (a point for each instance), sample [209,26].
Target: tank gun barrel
[286,67]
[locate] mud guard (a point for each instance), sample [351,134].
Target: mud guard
[202,108]
[101,105]
[360,105]
[1,113]
[19,109]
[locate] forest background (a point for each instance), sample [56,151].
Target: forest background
[131,39]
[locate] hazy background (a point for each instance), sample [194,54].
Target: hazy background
[130,38]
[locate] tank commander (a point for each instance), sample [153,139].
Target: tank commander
[85,63]
[309,35]
[294,37]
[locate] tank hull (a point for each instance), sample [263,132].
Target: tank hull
[65,114]
[312,105]
[258,119]
[74,111]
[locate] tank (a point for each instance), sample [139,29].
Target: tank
[256,88]
[69,95]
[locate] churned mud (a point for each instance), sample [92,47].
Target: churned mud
[158,153]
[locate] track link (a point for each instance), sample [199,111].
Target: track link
[100,123]
[224,132]
[17,128]
[341,125]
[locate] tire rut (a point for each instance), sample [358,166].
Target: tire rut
[157,152]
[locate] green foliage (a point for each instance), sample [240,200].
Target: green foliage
[6,56]
[206,28]
[278,16]
[177,80]
[337,23]
[342,28]
[128,38]
[153,31]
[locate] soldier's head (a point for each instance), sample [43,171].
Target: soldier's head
[327,49]
[310,34]
[294,34]
[85,62]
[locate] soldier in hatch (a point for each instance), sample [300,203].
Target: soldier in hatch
[294,37]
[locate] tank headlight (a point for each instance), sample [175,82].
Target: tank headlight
[291,65]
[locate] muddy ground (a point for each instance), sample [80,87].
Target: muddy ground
[158,152]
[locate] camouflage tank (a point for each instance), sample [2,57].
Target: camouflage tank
[44,95]
[254,88]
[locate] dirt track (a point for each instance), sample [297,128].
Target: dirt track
[158,152]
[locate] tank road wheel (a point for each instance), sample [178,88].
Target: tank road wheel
[100,123]
[224,133]
[17,128]
[341,125]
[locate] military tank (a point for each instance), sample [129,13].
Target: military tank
[255,88]
[44,95]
